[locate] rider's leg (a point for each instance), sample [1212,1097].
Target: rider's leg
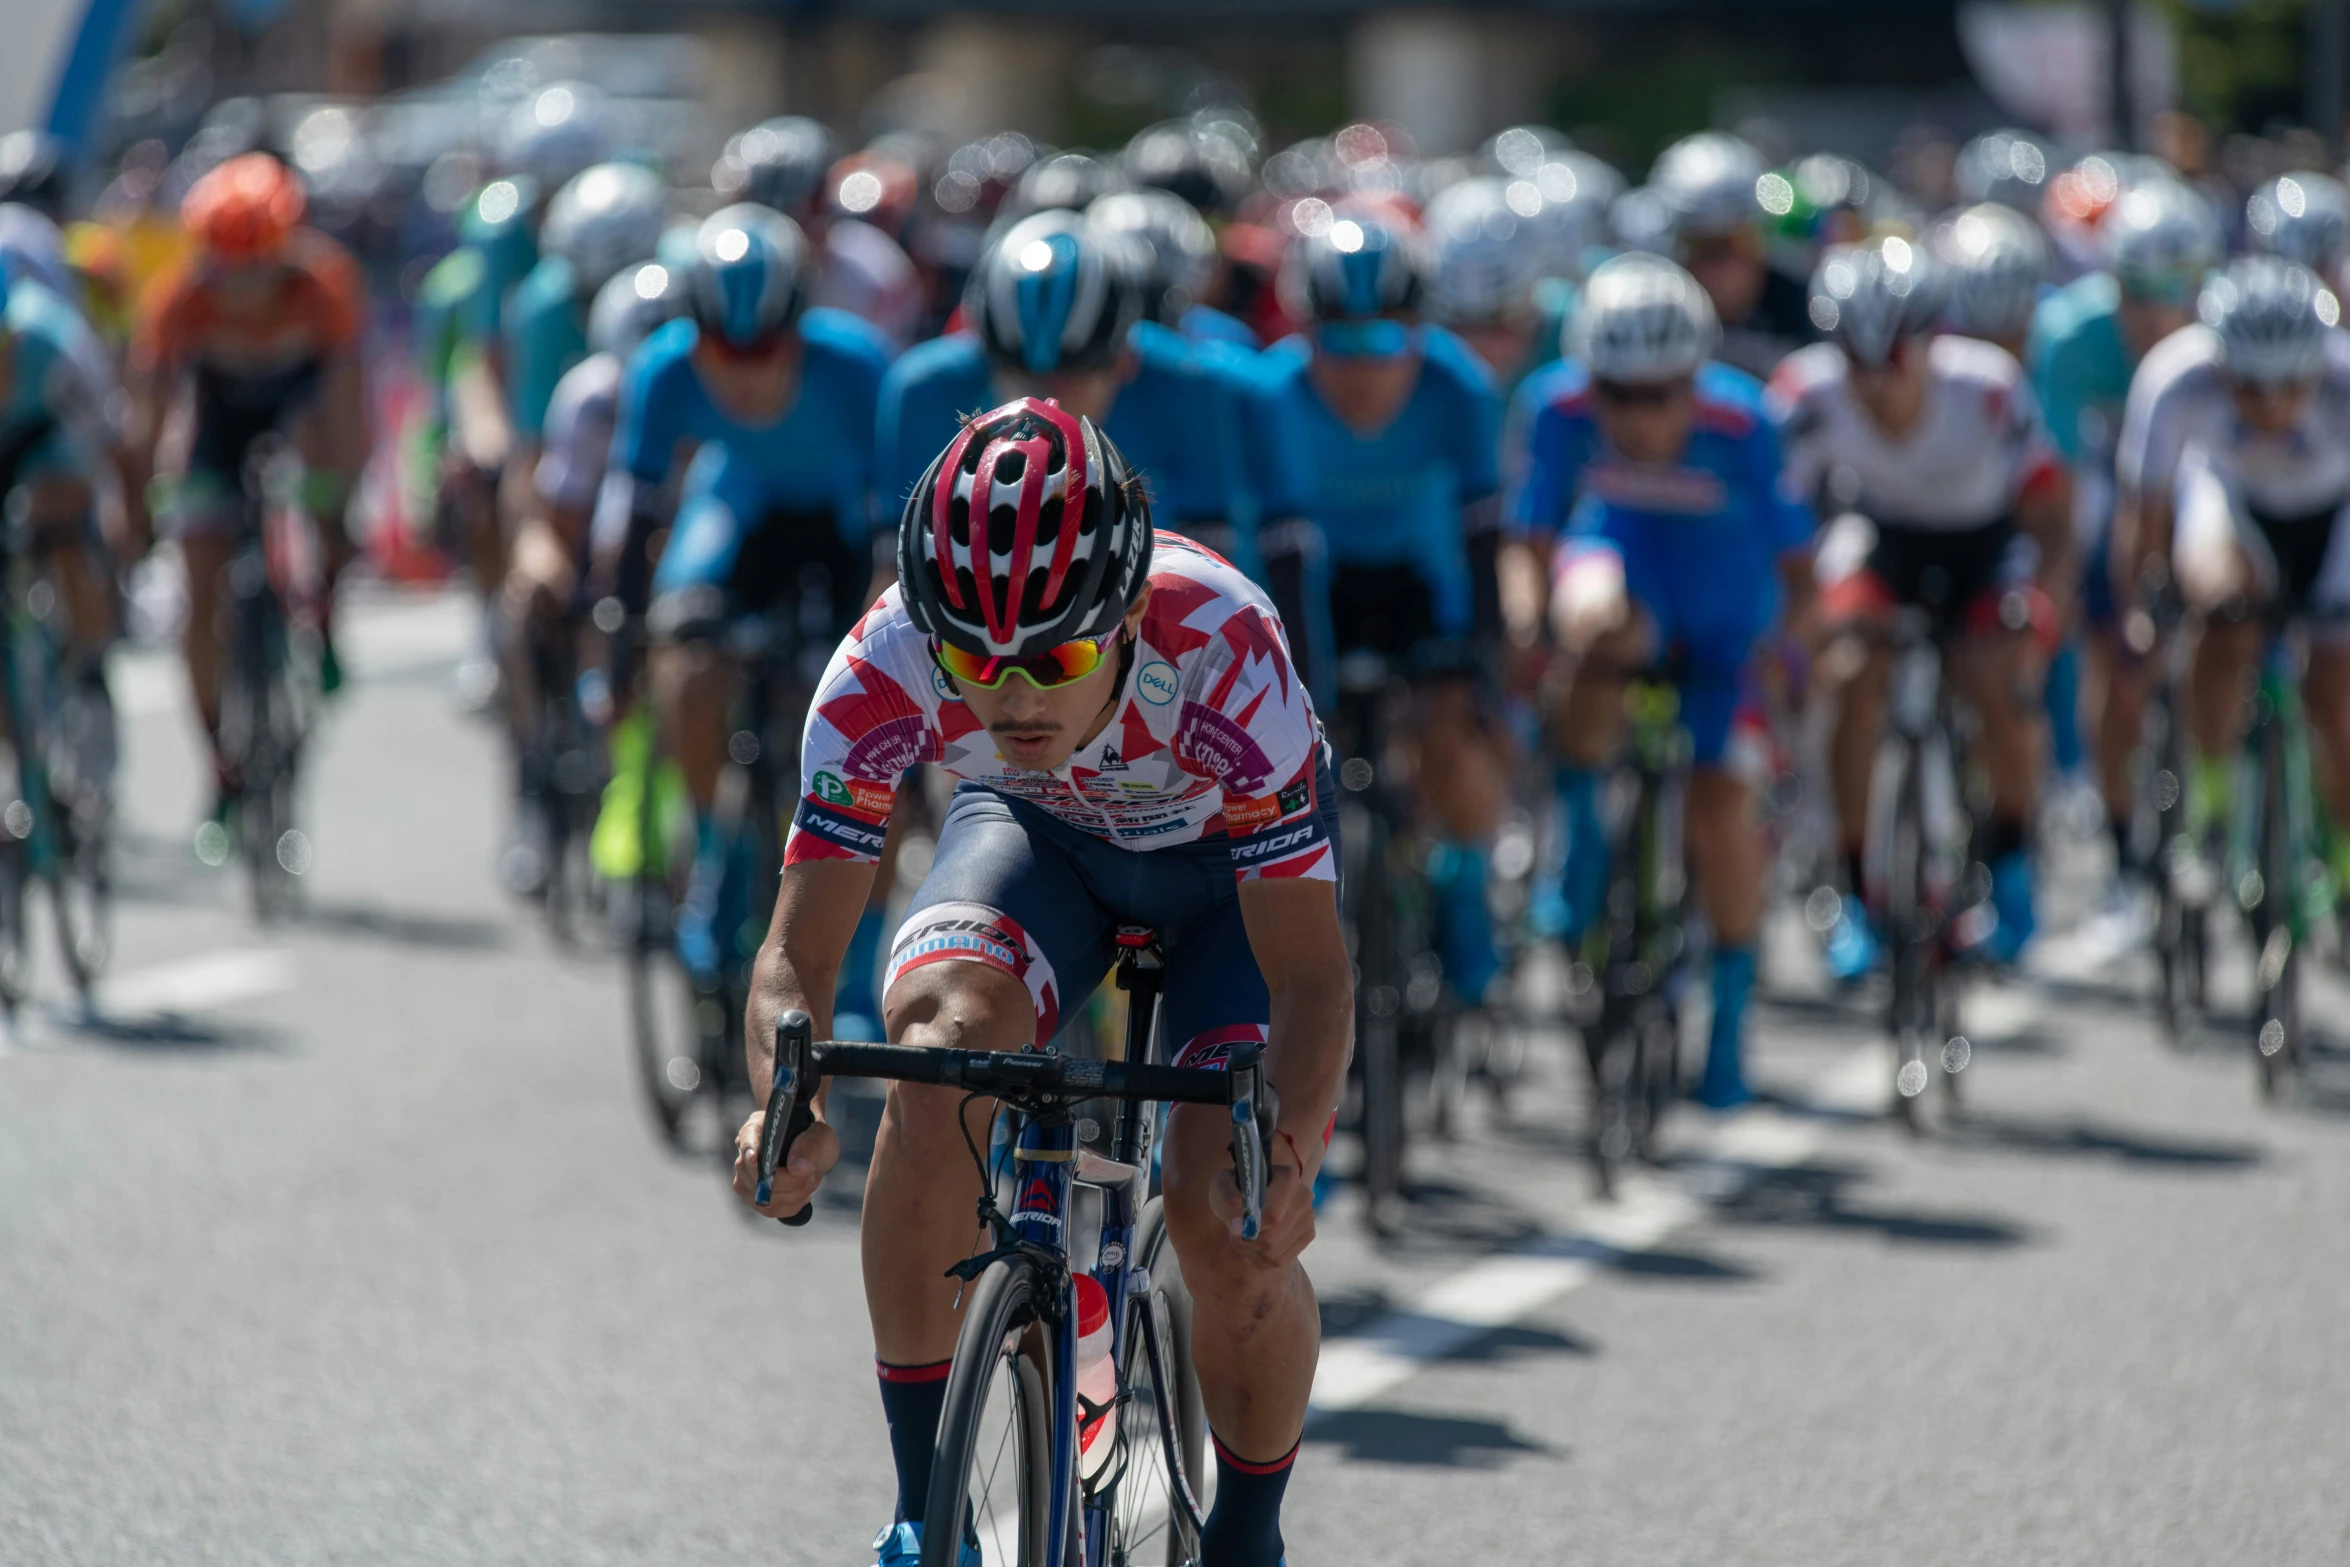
[1856,673]
[2119,684]
[967,974]
[1608,637]
[1464,782]
[1726,850]
[2000,674]
[77,559]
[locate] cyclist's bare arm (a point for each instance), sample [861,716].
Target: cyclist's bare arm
[483,436]
[799,963]
[1294,931]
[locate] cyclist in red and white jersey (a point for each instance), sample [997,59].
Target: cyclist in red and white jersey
[1929,456]
[1133,747]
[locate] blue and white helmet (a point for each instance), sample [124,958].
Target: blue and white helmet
[632,302]
[1709,181]
[750,274]
[554,133]
[1358,267]
[2273,318]
[2160,238]
[1174,240]
[1869,297]
[1640,320]
[1994,260]
[1486,251]
[605,218]
[2302,217]
[1056,292]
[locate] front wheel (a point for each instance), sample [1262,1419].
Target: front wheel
[1158,1510]
[991,1475]
[664,1014]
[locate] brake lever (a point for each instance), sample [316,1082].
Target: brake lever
[1252,1127]
[790,1108]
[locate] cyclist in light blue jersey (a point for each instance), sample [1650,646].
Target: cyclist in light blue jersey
[1054,309]
[608,217]
[1662,471]
[777,402]
[1383,529]
[2086,342]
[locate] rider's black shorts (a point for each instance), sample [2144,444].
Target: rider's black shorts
[789,564]
[235,410]
[2297,545]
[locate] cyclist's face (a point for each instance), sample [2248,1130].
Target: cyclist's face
[2146,322]
[1892,394]
[1040,729]
[755,384]
[1366,389]
[1646,423]
[2272,410]
[1730,268]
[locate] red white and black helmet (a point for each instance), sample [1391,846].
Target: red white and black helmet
[1027,532]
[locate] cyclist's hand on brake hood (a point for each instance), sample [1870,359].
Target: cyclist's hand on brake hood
[1288,1227]
[813,1154]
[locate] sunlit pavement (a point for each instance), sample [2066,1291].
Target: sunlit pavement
[347,1241]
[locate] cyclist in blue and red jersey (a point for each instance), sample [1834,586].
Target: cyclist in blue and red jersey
[1662,471]
[1382,524]
[1133,747]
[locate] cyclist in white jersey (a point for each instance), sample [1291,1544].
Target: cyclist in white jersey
[1133,747]
[2234,464]
[1943,491]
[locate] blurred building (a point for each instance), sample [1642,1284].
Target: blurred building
[1092,71]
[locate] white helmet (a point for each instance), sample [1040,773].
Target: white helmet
[1640,219]
[2301,217]
[1181,248]
[1485,250]
[1708,180]
[1993,263]
[2160,238]
[1869,297]
[2272,317]
[2009,167]
[632,302]
[554,133]
[1640,319]
[1577,192]
[605,218]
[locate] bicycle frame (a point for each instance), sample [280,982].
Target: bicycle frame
[2279,721]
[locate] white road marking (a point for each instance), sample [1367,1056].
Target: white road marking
[214,979]
[1718,1163]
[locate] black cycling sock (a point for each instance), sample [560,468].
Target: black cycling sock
[1244,1527]
[2125,847]
[911,1400]
[2003,836]
[1856,873]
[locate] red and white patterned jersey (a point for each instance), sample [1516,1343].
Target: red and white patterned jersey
[1213,736]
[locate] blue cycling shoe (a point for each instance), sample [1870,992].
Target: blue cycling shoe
[2013,920]
[900,1545]
[1852,942]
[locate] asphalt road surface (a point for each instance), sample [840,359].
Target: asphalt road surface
[347,1241]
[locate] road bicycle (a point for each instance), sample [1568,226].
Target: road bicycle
[2279,878]
[1637,952]
[1389,913]
[268,693]
[56,825]
[1024,1468]
[1918,857]
[2183,883]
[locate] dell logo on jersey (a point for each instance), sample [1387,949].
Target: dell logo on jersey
[1155,683]
[940,683]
